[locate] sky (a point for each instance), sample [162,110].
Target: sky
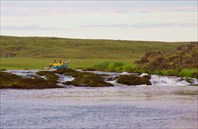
[156,20]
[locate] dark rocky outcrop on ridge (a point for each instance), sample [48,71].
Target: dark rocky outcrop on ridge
[183,57]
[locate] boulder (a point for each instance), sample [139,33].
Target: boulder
[133,80]
[8,80]
[145,75]
[68,72]
[50,76]
[85,79]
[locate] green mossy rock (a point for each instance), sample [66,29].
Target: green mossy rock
[133,80]
[68,72]
[50,76]
[84,79]
[11,81]
[147,76]
[6,79]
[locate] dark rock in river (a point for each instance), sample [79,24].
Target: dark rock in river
[83,79]
[68,72]
[147,76]
[50,76]
[8,80]
[133,80]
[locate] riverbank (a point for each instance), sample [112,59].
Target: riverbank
[41,63]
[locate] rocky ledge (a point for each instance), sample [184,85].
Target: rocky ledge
[133,80]
[8,80]
[52,79]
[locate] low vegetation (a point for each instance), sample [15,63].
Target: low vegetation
[115,66]
[51,47]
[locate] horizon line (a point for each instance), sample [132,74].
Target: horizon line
[196,41]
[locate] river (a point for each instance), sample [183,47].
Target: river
[119,107]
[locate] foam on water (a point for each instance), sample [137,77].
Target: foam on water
[155,79]
[171,81]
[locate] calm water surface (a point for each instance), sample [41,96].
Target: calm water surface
[99,108]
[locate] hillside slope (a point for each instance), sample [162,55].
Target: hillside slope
[50,47]
[182,61]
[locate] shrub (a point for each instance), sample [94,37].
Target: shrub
[101,66]
[188,73]
[129,67]
[115,66]
[110,66]
[168,72]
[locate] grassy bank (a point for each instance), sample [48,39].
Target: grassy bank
[40,63]
[165,58]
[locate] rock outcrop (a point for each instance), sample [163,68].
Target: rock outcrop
[133,80]
[8,80]
[83,79]
[184,57]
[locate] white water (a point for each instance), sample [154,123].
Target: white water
[122,107]
[155,79]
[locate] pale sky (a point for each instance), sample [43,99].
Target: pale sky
[126,20]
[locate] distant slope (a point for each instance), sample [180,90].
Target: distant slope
[50,47]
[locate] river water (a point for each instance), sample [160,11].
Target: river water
[119,107]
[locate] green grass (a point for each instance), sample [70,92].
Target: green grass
[116,67]
[168,72]
[40,63]
[50,47]
[189,73]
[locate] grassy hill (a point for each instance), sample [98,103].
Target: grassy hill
[41,50]
[43,47]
